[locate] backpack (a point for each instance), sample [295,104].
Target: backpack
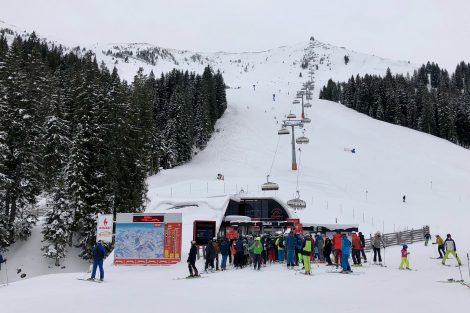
[281,243]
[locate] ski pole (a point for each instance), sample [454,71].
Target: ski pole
[460,270]
[468,264]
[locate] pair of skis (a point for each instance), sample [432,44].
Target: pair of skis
[455,281]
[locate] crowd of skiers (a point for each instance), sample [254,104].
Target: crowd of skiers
[300,250]
[293,249]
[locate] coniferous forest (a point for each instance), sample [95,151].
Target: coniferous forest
[431,101]
[75,132]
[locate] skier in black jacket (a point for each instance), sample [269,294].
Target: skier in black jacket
[210,256]
[192,260]
[363,244]
[327,250]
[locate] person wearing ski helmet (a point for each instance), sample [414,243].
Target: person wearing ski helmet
[290,250]
[319,243]
[239,256]
[345,253]
[451,248]
[98,253]
[280,249]
[192,260]
[404,258]
[225,251]
[337,240]
[306,251]
[256,249]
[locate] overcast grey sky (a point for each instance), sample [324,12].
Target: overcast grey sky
[415,30]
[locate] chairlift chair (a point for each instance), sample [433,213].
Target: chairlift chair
[283,131]
[268,186]
[307,105]
[306,120]
[295,101]
[302,140]
[297,203]
[291,115]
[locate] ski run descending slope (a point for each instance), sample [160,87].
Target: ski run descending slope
[390,162]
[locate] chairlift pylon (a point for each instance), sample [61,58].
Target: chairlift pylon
[268,186]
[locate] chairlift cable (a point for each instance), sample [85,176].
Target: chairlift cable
[275,153]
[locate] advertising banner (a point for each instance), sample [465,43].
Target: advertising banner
[104,231]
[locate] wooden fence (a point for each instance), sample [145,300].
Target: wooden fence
[399,238]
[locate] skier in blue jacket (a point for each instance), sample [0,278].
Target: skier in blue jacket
[98,257]
[290,247]
[345,252]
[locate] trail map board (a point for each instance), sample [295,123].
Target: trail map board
[148,238]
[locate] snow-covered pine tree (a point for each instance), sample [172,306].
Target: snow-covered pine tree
[58,223]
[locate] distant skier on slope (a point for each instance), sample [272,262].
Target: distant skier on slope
[451,248]
[192,260]
[98,253]
[274,97]
[404,198]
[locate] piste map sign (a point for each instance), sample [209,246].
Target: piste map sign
[153,238]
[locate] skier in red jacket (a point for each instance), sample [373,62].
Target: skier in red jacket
[337,246]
